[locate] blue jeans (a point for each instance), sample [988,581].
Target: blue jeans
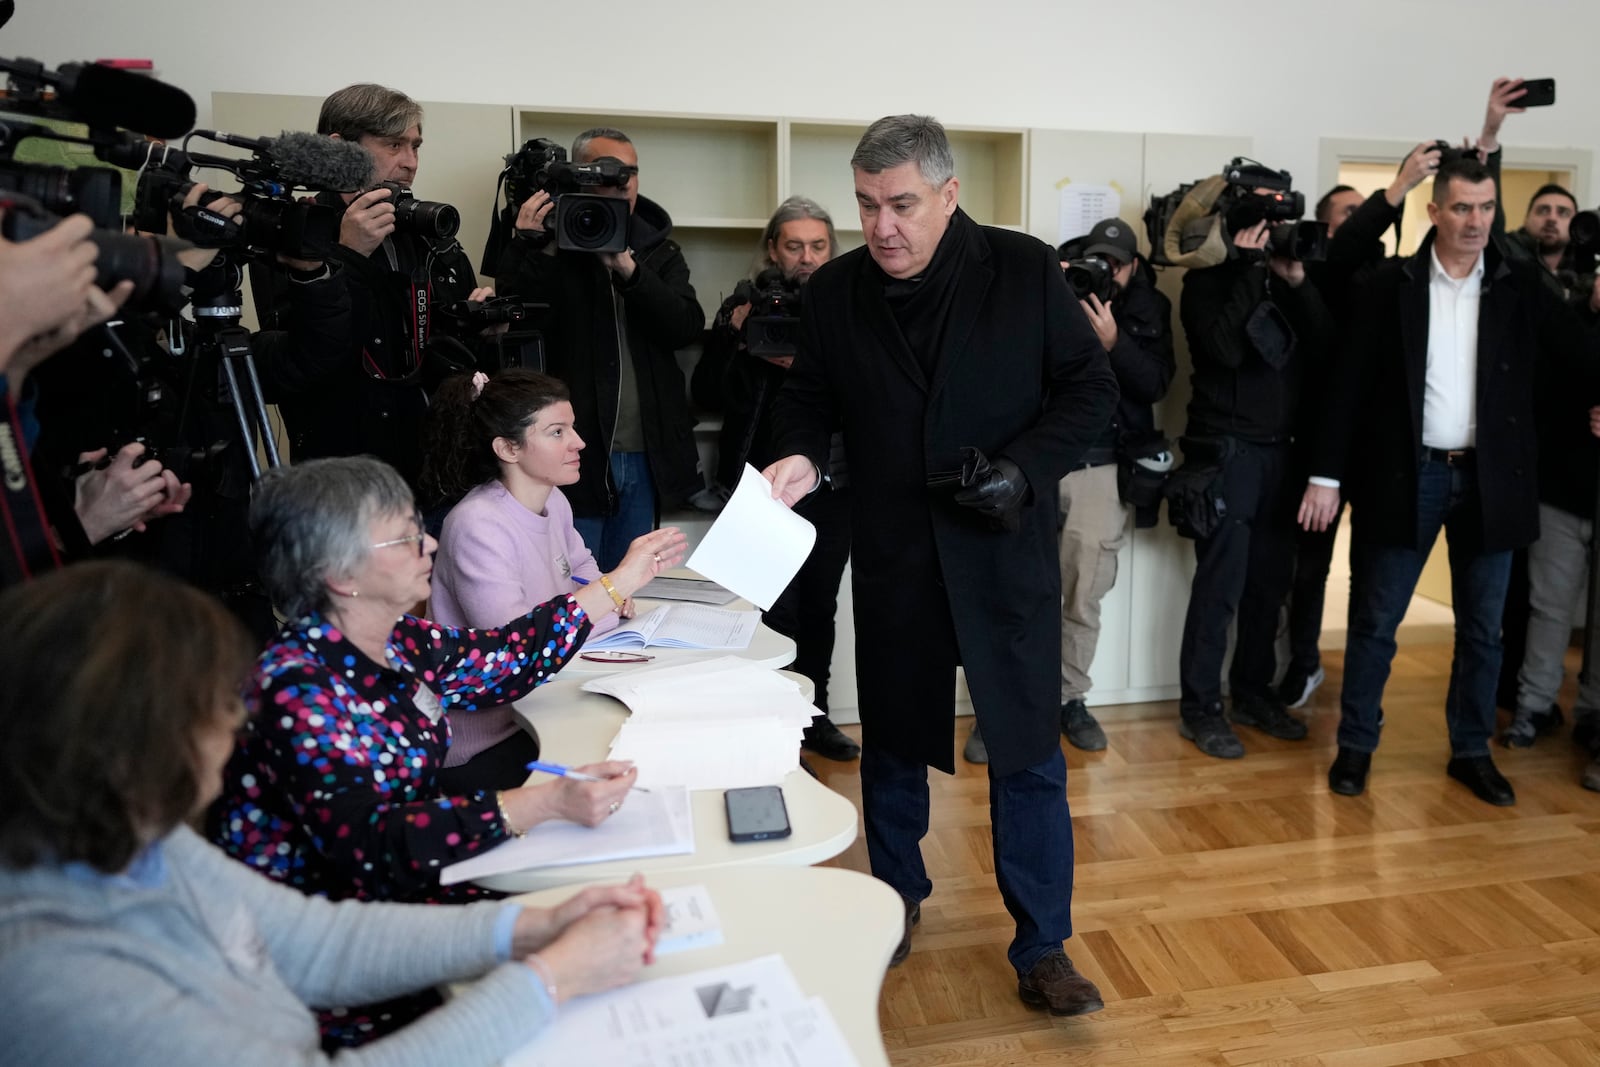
[1032,833]
[608,536]
[1383,577]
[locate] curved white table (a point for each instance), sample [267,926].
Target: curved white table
[576,727]
[768,909]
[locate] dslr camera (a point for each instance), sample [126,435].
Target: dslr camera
[773,326]
[584,221]
[1091,276]
[428,219]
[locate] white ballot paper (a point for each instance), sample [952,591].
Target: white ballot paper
[750,1014]
[756,545]
[690,920]
[657,823]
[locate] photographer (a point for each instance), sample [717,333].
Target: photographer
[138,425]
[616,322]
[1253,323]
[1134,326]
[375,401]
[798,239]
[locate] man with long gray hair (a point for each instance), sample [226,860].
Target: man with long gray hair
[967,382]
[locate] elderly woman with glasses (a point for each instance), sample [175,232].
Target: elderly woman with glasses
[333,788]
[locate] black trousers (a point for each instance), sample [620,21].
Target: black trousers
[1245,568]
[1313,560]
[805,610]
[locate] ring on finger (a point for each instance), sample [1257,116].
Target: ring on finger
[614,806]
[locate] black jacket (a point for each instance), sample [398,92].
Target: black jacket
[1251,339]
[375,401]
[1141,359]
[1019,374]
[663,315]
[1372,428]
[742,387]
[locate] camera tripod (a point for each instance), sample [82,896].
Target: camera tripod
[220,340]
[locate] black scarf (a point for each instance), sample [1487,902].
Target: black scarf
[921,305]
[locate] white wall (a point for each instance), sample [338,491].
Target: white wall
[1284,74]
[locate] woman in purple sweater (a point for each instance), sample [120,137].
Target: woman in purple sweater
[504,446]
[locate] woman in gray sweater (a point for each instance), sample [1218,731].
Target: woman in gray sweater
[126,939]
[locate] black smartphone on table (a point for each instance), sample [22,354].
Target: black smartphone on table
[757,813]
[1536,92]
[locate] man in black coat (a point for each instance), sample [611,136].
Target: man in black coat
[967,382]
[375,401]
[615,324]
[1431,424]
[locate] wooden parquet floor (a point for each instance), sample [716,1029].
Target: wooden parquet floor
[1237,912]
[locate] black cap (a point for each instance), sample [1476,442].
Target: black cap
[1113,238]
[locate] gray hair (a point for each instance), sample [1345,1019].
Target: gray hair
[796,207]
[580,143]
[358,110]
[310,522]
[897,139]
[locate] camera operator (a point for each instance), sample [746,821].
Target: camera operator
[375,401]
[1134,326]
[1252,322]
[616,322]
[138,427]
[48,297]
[798,239]
[1356,226]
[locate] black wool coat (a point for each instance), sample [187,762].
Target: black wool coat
[1371,438]
[1020,375]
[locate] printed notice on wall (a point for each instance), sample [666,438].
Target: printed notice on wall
[1083,204]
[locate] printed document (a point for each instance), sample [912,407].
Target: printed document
[757,544]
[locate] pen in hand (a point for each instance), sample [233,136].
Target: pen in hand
[567,772]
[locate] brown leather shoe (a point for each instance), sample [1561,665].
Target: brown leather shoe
[903,949]
[1055,984]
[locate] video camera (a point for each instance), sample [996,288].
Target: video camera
[521,344]
[273,222]
[1202,216]
[583,221]
[772,328]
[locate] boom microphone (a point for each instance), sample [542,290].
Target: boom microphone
[103,97]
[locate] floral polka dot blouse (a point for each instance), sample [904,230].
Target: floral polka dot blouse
[332,787]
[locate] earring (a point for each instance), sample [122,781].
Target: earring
[353,593]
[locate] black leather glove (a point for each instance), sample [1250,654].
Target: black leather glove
[995,489]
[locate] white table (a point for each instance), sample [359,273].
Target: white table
[835,928]
[576,727]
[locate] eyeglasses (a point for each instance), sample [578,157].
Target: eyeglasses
[420,537]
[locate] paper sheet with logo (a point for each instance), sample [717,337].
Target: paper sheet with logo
[750,1014]
[657,823]
[757,544]
[717,724]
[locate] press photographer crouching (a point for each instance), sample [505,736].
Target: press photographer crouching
[1118,482]
[746,359]
[1253,324]
[403,268]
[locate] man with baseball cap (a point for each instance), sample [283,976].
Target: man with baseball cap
[1135,330]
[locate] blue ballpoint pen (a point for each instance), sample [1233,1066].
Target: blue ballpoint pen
[567,772]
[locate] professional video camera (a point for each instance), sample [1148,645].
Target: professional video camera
[1306,240]
[521,344]
[273,222]
[582,221]
[1091,275]
[773,325]
[1192,225]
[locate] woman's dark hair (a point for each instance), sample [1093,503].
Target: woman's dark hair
[107,670]
[459,438]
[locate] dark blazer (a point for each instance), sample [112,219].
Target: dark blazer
[1020,374]
[1372,429]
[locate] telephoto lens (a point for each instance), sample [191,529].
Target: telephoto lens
[425,218]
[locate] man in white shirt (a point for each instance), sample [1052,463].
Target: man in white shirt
[1430,425]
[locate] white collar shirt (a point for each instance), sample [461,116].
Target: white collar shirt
[1450,393]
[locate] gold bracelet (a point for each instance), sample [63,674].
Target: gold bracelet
[505,817]
[616,598]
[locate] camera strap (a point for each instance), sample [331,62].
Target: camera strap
[412,279]
[30,547]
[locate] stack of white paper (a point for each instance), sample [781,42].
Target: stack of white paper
[720,724]
[655,823]
[751,1014]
